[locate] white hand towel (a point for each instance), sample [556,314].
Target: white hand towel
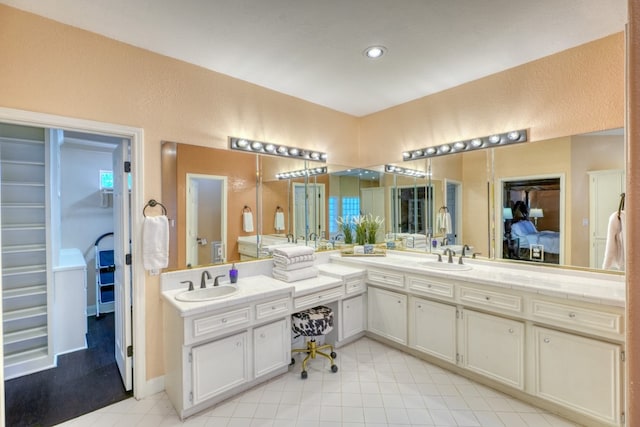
[292,251]
[295,275]
[155,243]
[279,221]
[614,248]
[283,260]
[247,222]
[444,222]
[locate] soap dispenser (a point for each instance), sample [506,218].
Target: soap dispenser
[233,274]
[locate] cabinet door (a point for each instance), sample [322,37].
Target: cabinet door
[271,347]
[352,316]
[218,366]
[388,314]
[494,347]
[432,328]
[578,372]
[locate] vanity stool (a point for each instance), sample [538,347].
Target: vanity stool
[313,322]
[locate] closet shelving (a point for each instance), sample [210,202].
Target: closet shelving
[24,253]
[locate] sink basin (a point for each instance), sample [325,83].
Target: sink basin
[206,294]
[445,266]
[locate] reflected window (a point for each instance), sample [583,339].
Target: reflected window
[333,215]
[350,207]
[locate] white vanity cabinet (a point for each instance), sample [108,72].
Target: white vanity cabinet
[493,346]
[220,350]
[387,314]
[432,328]
[578,372]
[271,347]
[353,317]
[218,366]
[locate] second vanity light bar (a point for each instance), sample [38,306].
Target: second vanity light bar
[507,138]
[404,171]
[260,147]
[302,173]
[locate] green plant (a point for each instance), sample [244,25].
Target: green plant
[346,229]
[373,225]
[360,225]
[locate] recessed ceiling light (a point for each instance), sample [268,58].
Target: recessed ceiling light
[374,52]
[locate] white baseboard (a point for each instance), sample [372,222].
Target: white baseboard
[151,387]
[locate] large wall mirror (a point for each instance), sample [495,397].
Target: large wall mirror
[568,186]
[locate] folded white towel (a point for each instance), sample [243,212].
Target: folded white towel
[295,275]
[293,260]
[614,248]
[155,243]
[279,221]
[290,267]
[247,222]
[292,251]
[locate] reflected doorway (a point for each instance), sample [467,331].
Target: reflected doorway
[206,219]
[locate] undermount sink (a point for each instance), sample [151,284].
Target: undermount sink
[445,266]
[206,294]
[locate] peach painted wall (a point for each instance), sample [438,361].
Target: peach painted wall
[576,91]
[53,68]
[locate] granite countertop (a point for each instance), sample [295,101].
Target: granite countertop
[594,287]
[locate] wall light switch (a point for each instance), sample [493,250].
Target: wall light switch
[585,222]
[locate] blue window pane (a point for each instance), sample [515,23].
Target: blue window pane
[333,214]
[106,180]
[350,207]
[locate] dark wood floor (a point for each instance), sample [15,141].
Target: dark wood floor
[84,381]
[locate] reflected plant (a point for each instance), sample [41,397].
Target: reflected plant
[373,225]
[346,228]
[360,225]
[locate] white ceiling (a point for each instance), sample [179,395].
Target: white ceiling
[312,49]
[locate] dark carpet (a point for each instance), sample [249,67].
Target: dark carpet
[84,381]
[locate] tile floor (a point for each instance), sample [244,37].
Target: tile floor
[375,386]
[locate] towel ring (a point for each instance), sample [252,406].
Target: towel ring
[621,205]
[246,209]
[152,203]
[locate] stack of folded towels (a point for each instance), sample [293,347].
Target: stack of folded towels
[293,263]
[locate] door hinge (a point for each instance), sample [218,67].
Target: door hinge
[127,259]
[457,314]
[622,356]
[190,396]
[622,418]
[130,351]
[190,357]
[127,167]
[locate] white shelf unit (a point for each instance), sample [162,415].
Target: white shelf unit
[24,255]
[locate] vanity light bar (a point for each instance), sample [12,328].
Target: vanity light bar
[404,171]
[302,173]
[507,138]
[260,147]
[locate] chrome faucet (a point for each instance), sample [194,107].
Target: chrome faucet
[290,238]
[464,249]
[203,279]
[451,255]
[338,237]
[445,241]
[190,284]
[215,281]
[313,236]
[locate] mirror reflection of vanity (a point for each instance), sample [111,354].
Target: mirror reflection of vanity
[461,184]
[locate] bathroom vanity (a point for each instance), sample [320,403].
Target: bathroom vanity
[549,336]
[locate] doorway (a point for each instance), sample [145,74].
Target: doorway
[121,324]
[308,211]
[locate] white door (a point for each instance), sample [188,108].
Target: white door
[605,188]
[372,202]
[192,221]
[270,349]
[299,211]
[388,314]
[122,274]
[352,316]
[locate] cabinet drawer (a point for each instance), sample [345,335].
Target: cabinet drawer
[318,298]
[385,278]
[577,317]
[273,308]
[430,287]
[490,299]
[219,323]
[355,285]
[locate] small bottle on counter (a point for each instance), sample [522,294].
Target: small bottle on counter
[233,274]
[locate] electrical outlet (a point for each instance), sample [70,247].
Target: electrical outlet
[217,252]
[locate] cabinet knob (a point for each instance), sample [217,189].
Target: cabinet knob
[348,307]
[399,302]
[419,305]
[224,320]
[572,315]
[429,286]
[262,335]
[273,308]
[546,340]
[487,298]
[510,330]
[239,344]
